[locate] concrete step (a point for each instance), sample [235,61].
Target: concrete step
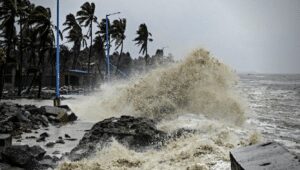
[265,156]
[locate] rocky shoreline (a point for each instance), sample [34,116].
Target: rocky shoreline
[16,120]
[136,133]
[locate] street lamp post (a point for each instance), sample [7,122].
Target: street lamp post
[57,98]
[108,44]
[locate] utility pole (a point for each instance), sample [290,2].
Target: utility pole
[108,44]
[57,98]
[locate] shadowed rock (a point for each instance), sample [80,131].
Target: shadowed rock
[23,156]
[136,133]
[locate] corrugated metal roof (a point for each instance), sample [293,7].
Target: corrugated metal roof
[78,71]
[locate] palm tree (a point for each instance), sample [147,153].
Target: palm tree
[75,35]
[23,12]
[8,14]
[118,34]
[102,30]
[2,63]
[99,49]
[40,18]
[101,38]
[142,40]
[86,17]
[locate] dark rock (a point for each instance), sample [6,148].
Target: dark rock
[181,132]
[53,111]
[50,144]
[56,159]
[61,141]
[45,134]
[30,137]
[26,113]
[67,136]
[27,131]
[60,137]
[62,117]
[34,110]
[35,127]
[47,157]
[52,118]
[23,156]
[37,152]
[49,162]
[41,139]
[44,120]
[72,117]
[17,155]
[71,139]
[21,117]
[136,133]
[56,153]
[4,166]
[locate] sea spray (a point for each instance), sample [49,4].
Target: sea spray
[197,93]
[200,84]
[209,147]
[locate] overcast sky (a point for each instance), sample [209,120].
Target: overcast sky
[260,36]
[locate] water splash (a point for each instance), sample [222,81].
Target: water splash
[200,84]
[198,93]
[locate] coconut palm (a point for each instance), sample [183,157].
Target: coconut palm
[24,8]
[102,30]
[86,17]
[8,14]
[99,49]
[2,63]
[40,18]
[142,40]
[74,35]
[118,35]
[101,37]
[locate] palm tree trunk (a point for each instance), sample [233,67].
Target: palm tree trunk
[119,59]
[76,50]
[41,65]
[2,68]
[146,57]
[21,60]
[90,54]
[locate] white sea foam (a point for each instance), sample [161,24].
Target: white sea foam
[197,93]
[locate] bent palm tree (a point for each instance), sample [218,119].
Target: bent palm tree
[40,18]
[75,35]
[118,34]
[23,12]
[86,17]
[142,40]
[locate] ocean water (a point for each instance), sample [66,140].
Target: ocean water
[274,102]
[200,93]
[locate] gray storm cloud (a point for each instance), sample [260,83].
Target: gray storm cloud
[251,35]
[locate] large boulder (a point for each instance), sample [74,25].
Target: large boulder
[23,156]
[4,166]
[135,133]
[15,118]
[53,111]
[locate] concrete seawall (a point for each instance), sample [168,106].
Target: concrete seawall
[265,156]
